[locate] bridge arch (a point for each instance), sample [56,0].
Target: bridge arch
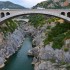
[7,13]
[28,12]
[62,13]
[2,14]
[68,14]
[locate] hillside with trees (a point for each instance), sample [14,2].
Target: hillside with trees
[54,4]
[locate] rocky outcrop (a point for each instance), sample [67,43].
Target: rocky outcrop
[47,65]
[45,57]
[12,41]
[10,44]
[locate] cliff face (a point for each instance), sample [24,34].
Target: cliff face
[11,44]
[54,4]
[45,57]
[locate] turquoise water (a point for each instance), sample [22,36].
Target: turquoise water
[20,60]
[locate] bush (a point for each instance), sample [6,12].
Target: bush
[48,27]
[66,49]
[9,26]
[58,41]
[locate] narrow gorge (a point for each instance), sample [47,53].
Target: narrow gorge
[50,42]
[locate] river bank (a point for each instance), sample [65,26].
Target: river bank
[11,44]
[14,41]
[20,60]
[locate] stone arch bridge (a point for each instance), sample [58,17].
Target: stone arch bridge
[8,14]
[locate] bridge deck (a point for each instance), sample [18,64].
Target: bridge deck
[18,12]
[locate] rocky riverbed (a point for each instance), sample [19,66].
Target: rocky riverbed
[10,45]
[46,58]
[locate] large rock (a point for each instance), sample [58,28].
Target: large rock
[46,53]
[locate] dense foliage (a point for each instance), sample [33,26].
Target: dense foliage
[37,20]
[52,4]
[58,34]
[9,26]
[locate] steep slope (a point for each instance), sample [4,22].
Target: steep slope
[9,5]
[54,4]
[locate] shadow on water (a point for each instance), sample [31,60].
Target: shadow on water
[20,60]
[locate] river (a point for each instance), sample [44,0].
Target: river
[20,60]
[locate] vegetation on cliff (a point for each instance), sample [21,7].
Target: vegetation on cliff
[58,34]
[9,26]
[54,4]
[37,20]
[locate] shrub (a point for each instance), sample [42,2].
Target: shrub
[9,26]
[66,49]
